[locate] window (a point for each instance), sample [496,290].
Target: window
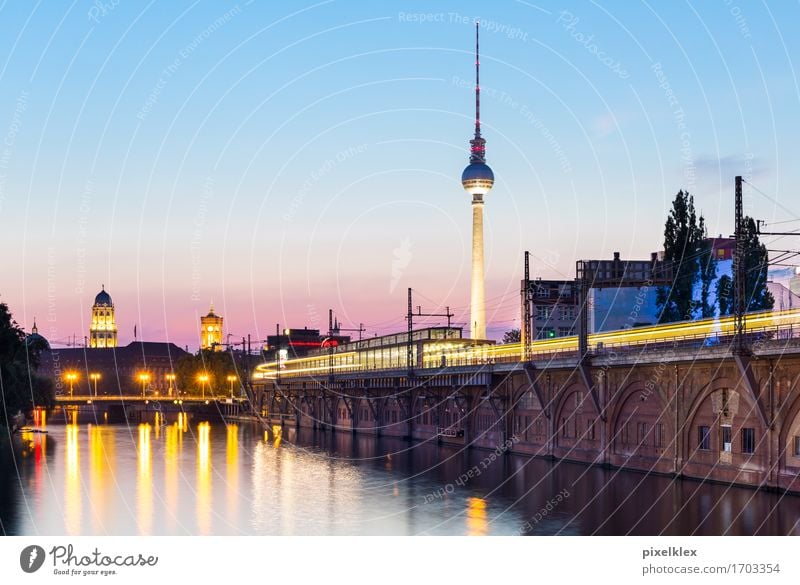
[797,446]
[546,333]
[565,331]
[543,312]
[726,438]
[568,312]
[564,430]
[748,440]
[703,438]
[590,430]
[542,292]
[642,433]
[658,435]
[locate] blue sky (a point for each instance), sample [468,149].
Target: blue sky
[282,158]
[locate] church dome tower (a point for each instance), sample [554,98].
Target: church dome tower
[103,330]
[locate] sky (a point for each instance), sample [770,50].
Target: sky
[282,159]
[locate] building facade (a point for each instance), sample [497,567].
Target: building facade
[103,329]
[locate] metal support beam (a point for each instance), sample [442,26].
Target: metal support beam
[753,387]
[533,379]
[586,376]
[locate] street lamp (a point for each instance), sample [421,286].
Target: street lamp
[144,378]
[171,379]
[71,377]
[94,377]
[231,379]
[203,378]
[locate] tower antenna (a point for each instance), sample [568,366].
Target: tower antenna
[477,144]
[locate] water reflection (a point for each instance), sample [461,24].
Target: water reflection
[477,524]
[185,477]
[73,497]
[101,475]
[203,485]
[232,470]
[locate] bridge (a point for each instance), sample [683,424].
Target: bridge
[124,408]
[680,399]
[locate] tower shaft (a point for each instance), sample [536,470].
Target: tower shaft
[478,295]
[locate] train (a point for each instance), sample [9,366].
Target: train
[438,347]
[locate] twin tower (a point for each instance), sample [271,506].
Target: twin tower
[103,329]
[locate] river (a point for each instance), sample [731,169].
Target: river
[182,478]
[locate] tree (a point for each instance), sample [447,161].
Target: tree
[513,336]
[683,250]
[22,389]
[756,264]
[724,295]
[217,365]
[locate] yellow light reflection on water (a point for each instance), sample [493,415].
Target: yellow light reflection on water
[101,475]
[232,458]
[477,524]
[204,478]
[277,432]
[172,444]
[144,481]
[73,495]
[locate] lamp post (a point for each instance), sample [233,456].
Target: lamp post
[144,378]
[203,378]
[231,379]
[171,379]
[95,377]
[71,377]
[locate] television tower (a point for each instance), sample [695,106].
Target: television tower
[477,179]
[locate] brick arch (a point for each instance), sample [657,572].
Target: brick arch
[635,389]
[576,431]
[642,428]
[701,461]
[565,394]
[786,436]
[708,389]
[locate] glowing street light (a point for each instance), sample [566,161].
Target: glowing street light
[171,379]
[231,379]
[71,377]
[203,378]
[95,377]
[144,378]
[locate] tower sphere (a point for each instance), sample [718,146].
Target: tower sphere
[477,178]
